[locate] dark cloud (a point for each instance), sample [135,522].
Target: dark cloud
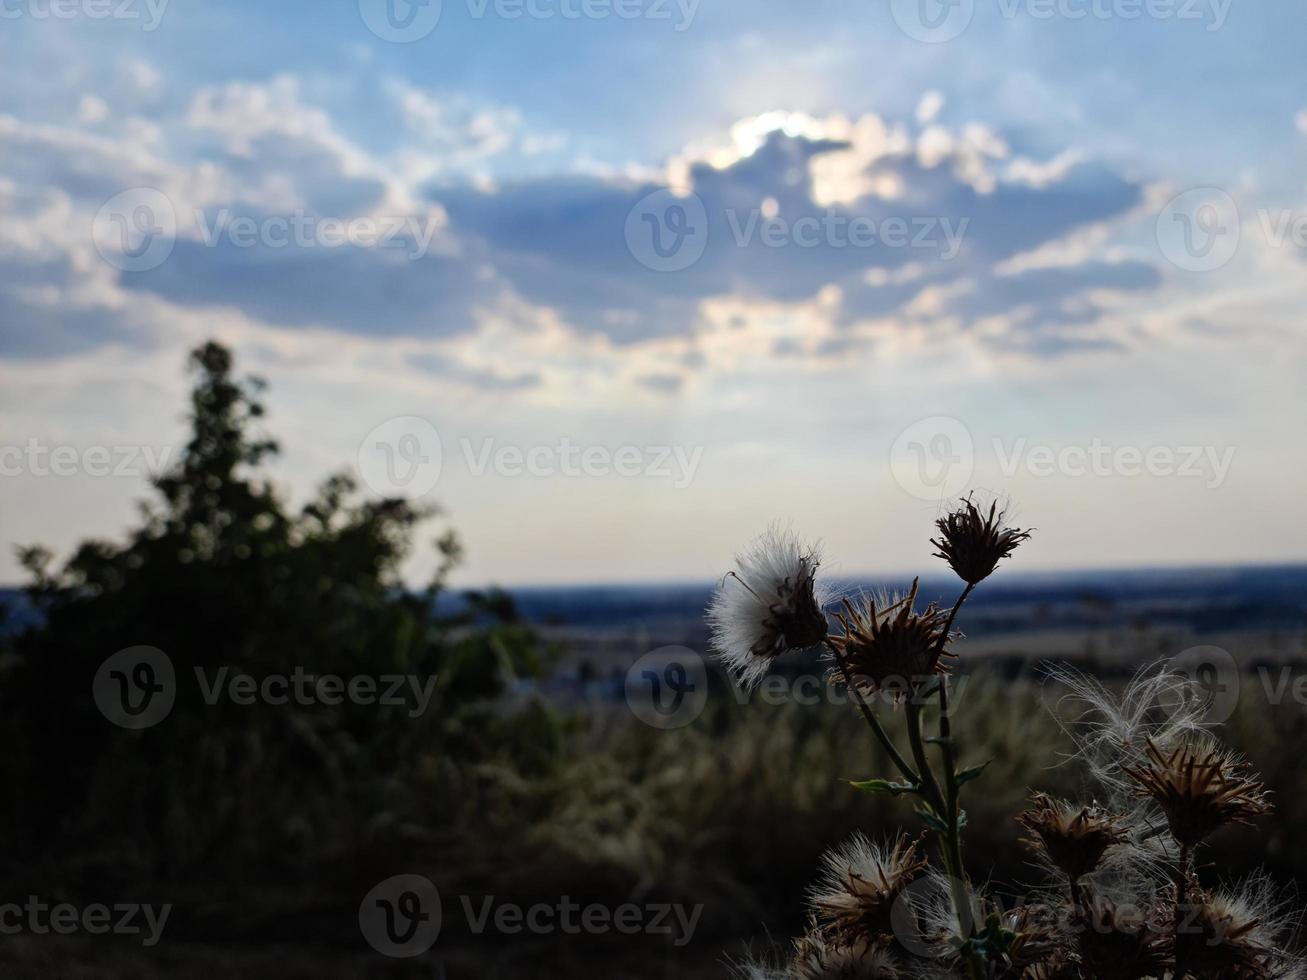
[560,243]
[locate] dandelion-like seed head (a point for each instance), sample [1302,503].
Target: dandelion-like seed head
[889,647]
[974,541]
[1071,838]
[817,957]
[1123,942]
[854,900]
[1200,786]
[772,603]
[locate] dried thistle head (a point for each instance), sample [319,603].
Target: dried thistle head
[1035,945]
[1218,936]
[1123,942]
[1238,934]
[1200,786]
[1072,838]
[854,899]
[1056,966]
[771,604]
[817,957]
[973,541]
[890,646]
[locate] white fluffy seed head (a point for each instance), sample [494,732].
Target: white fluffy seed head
[769,588]
[1111,731]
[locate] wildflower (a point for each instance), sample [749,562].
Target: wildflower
[772,604]
[1200,787]
[1222,936]
[1031,942]
[854,900]
[973,543]
[1057,966]
[890,644]
[817,958]
[1073,838]
[1111,727]
[1123,943]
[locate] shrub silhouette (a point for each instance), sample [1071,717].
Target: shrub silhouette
[220,573]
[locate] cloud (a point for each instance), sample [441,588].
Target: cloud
[784,196]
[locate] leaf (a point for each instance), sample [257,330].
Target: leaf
[883,786]
[931,819]
[967,775]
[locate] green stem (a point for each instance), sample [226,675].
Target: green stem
[929,784]
[872,721]
[1181,900]
[952,813]
[950,842]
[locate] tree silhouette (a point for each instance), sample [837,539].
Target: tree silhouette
[222,576]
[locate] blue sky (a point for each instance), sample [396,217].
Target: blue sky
[1053,251]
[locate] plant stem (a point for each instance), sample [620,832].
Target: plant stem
[877,729]
[952,843]
[1181,899]
[929,784]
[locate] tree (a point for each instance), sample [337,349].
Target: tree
[225,579]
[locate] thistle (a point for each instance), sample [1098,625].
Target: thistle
[861,882]
[1122,944]
[1200,787]
[891,646]
[1071,838]
[973,543]
[1115,921]
[771,604]
[817,958]
[1219,936]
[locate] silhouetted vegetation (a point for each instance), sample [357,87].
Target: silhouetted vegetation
[221,573]
[265,824]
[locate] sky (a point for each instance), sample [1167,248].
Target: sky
[619,283]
